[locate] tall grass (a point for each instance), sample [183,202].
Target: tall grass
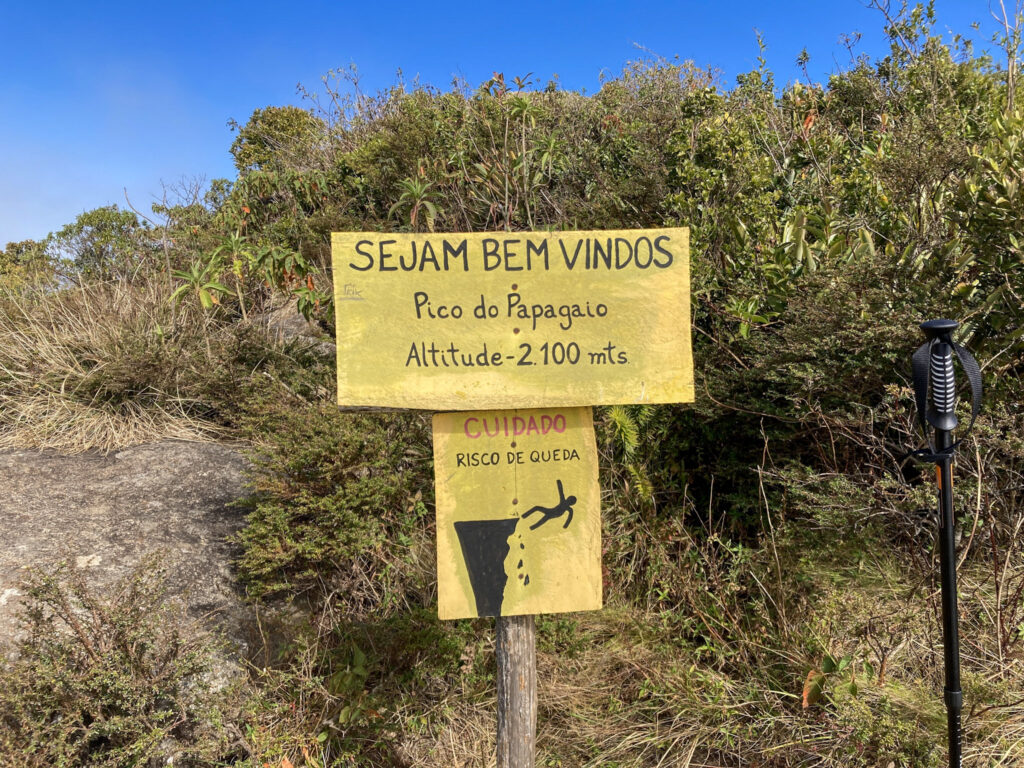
[102,366]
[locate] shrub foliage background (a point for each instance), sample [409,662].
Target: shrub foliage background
[770,577]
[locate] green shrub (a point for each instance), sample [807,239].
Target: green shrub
[332,495]
[116,681]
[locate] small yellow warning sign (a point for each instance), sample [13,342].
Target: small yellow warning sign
[518,512]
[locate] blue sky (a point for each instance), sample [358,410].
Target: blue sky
[98,97]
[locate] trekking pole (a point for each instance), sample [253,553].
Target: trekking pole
[935,393]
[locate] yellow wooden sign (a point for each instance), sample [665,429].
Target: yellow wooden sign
[513,319]
[518,512]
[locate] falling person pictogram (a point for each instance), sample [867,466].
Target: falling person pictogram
[565,504]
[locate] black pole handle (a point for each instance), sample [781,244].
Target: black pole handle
[935,387]
[939,329]
[942,413]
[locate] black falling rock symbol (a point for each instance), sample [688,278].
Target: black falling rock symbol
[520,564]
[527,580]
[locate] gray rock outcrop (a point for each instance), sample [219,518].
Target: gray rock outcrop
[286,323]
[106,513]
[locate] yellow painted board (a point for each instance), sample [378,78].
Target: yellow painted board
[518,512]
[513,319]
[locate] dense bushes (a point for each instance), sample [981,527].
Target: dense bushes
[333,495]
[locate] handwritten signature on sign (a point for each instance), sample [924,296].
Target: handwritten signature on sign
[350,293]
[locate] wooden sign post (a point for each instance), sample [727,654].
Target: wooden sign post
[540,324]
[515,651]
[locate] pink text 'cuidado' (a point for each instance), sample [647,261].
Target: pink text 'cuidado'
[504,426]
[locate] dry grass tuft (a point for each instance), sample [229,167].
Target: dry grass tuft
[101,366]
[49,420]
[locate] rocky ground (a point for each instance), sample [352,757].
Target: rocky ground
[105,513]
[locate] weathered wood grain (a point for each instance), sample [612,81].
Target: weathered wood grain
[517,691]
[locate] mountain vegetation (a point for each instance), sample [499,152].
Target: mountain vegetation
[771,581]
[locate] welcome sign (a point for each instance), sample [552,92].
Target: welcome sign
[512,320]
